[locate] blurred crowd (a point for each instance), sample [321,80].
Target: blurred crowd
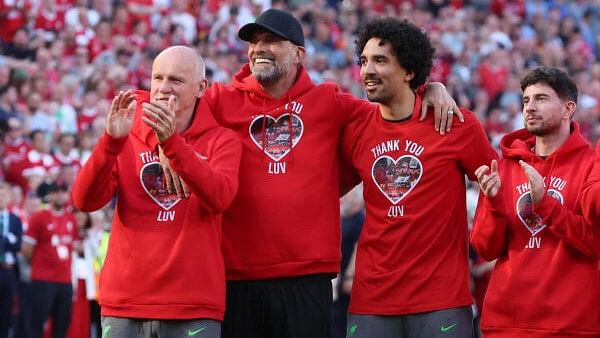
[62,61]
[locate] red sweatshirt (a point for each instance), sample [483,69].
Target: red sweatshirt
[546,282]
[284,220]
[164,258]
[413,250]
[590,198]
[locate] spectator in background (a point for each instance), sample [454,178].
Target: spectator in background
[65,152]
[10,244]
[9,97]
[48,243]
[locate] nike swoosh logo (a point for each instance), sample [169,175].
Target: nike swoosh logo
[352,330]
[105,331]
[447,328]
[194,332]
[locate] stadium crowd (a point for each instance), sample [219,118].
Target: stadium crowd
[62,62]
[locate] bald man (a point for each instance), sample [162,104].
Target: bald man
[164,274]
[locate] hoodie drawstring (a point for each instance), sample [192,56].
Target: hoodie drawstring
[290,128]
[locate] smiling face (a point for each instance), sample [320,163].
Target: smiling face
[272,58]
[543,111]
[178,72]
[381,74]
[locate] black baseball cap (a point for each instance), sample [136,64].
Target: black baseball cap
[278,22]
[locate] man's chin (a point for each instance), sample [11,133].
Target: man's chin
[375,98]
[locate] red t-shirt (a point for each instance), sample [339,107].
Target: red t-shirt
[52,235]
[413,251]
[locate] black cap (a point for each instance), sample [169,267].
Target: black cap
[277,22]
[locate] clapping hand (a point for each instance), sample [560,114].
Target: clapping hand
[489,179]
[536,181]
[161,117]
[120,115]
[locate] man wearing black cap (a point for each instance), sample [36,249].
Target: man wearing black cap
[281,235]
[48,244]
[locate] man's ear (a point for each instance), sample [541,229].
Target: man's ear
[300,51]
[570,107]
[202,87]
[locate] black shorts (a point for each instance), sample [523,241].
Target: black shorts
[298,307]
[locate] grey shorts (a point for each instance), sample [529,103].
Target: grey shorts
[448,323]
[115,327]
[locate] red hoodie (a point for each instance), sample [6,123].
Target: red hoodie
[546,282]
[590,198]
[284,220]
[413,248]
[164,258]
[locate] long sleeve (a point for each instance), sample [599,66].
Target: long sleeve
[569,226]
[214,180]
[590,197]
[476,149]
[489,237]
[97,181]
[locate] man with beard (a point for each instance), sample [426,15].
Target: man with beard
[48,243]
[545,282]
[411,273]
[281,235]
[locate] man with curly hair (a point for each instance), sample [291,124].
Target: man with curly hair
[411,274]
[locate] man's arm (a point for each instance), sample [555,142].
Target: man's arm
[214,180]
[27,250]
[590,196]
[31,237]
[564,223]
[213,177]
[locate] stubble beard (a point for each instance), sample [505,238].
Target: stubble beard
[544,128]
[382,98]
[273,73]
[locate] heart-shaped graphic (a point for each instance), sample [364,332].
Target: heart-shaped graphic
[153,181]
[531,220]
[396,178]
[272,135]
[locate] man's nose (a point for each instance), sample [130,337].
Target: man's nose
[164,87]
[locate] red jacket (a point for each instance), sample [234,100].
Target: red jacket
[412,255]
[590,198]
[284,220]
[546,282]
[164,258]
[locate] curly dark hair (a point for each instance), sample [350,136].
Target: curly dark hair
[410,45]
[558,80]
